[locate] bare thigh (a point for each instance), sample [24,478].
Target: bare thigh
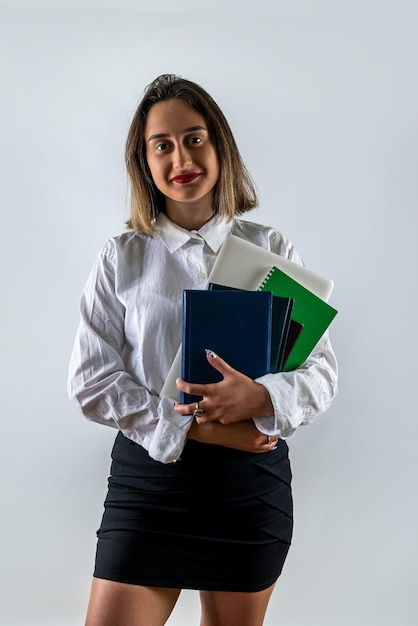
[224,608]
[118,604]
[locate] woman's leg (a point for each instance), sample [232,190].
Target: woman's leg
[119,604]
[227,608]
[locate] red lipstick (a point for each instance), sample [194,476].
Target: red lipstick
[185,178]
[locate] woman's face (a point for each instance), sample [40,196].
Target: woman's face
[182,160]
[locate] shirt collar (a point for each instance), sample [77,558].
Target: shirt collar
[213,232]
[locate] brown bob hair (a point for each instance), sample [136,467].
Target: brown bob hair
[234,192]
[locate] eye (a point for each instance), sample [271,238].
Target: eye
[161,147]
[195,140]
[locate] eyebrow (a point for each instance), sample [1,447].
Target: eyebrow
[186,130]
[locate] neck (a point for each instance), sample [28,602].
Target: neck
[188,216]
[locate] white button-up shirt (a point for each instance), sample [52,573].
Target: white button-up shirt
[130,331]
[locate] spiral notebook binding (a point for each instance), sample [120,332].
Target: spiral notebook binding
[266,278]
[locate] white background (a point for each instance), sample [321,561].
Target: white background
[323,100]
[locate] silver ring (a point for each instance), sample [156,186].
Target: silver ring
[198,412]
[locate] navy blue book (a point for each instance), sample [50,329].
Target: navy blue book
[234,324]
[280,328]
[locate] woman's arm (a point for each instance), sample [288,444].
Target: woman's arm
[101,386]
[277,403]
[240,435]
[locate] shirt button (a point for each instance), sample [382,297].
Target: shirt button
[201,275]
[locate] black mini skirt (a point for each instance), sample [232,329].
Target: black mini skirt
[218,519]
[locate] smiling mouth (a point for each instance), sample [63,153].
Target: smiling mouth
[185,178]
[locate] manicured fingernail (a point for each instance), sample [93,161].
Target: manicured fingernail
[210,353]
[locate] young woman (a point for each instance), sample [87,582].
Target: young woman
[199,496]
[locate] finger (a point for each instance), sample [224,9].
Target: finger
[193,389]
[193,409]
[271,443]
[183,409]
[218,363]
[201,389]
[206,417]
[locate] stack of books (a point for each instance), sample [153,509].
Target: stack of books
[261,313]
[235,324]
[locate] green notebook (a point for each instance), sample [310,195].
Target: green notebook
[315,314]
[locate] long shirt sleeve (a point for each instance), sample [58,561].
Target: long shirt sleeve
[101,384]
[298,397]
[130,330]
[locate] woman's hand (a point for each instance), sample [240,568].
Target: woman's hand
[242,436]
[234,399]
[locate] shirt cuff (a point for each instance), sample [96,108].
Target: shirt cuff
[287,414]
[267,425]
[170,434]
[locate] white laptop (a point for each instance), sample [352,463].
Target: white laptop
[244,265]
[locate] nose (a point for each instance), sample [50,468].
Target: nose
[181,157]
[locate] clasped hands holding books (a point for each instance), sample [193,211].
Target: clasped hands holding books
[229,406]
